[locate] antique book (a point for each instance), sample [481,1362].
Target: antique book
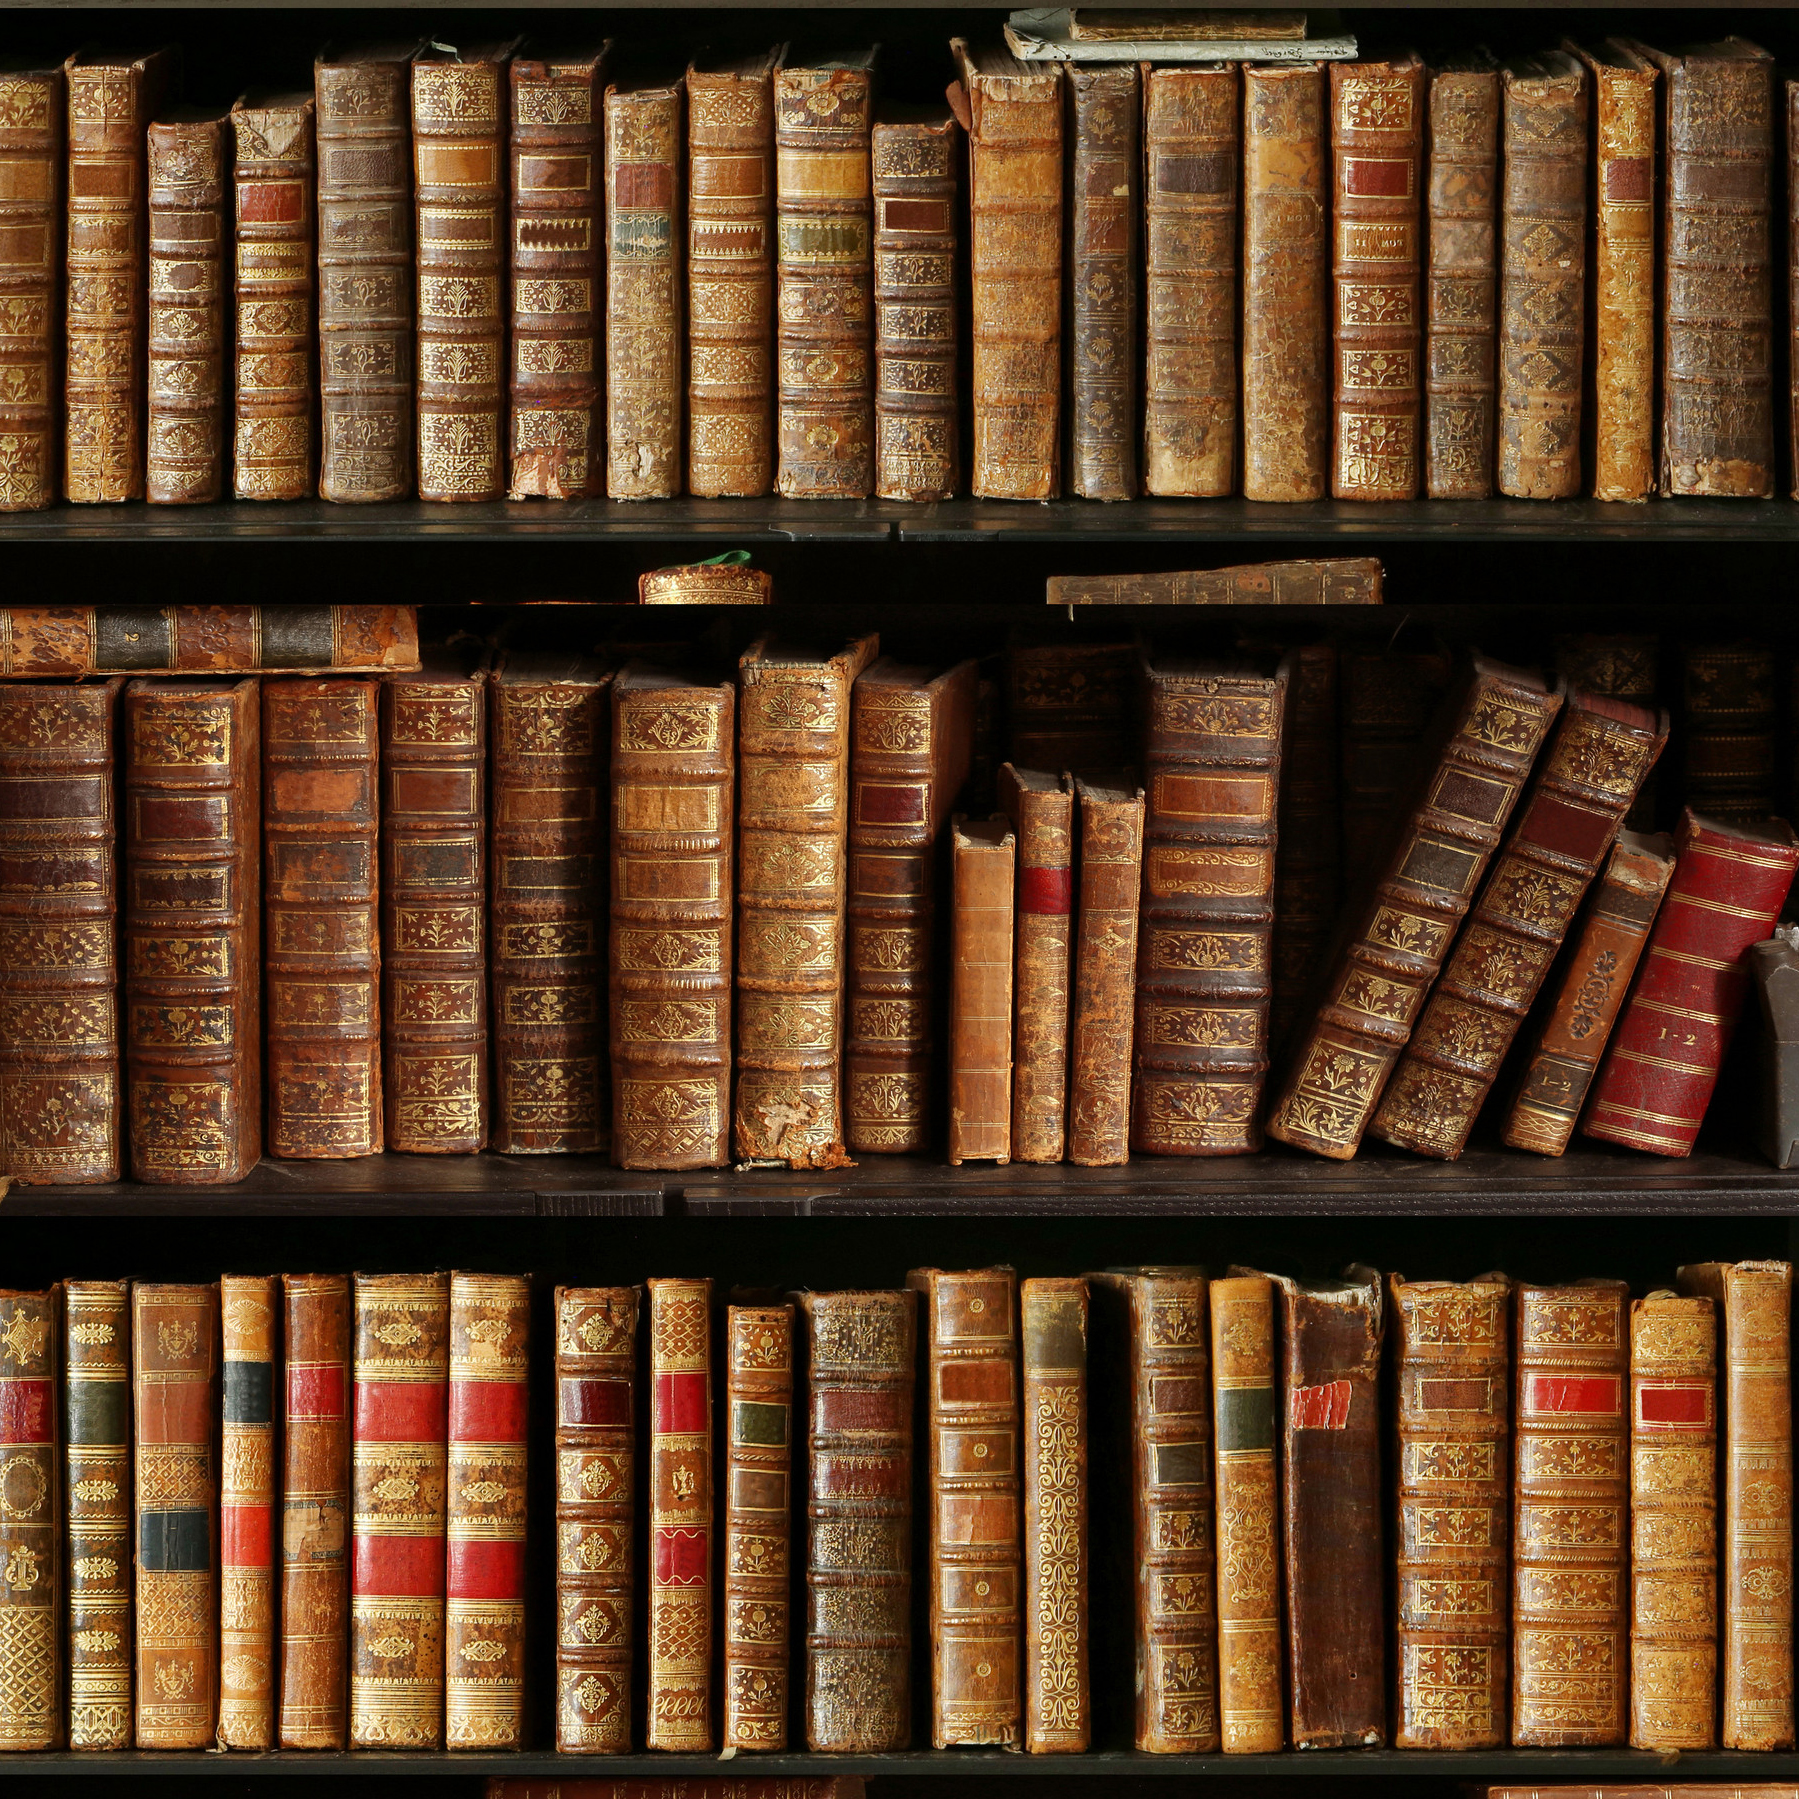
[1732,728]
[1104,276]
[202,640]
[31,1701]
[277,242]
[1570,1536]
[174,1364]
[824,265]
[1377,133]
[1598,753]
[189,185]
[1619,667]
[1755,1569]
[250,1321]
[458,151]
[1212,745]
[1014,121]
[1191,139]
[1559,1065]
[917,158]
[1040,808]
[1085,34]
[1103,1010]
[911,739]
[547,720]
[753,1786]
[1400,930]
[1453,1341]
[397,1496]
[758,1525]
[96,1397]
[1308,855]
[793,821]
[484,1572]
[674,746]
[1286,276]
[1462,190]
[731,276]
[34,105]
[596,1457]
[315,1511]
[59,865]
[1673,1523]
[723,581]
[1730,883]
[193,930]
[112,99]
[1245,1409]
[860,1357]
[363,120]
[1341,581]
[1388,695]
[322,943]
[558,216]
[983,886]
[1068,705]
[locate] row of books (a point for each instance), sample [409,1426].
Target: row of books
[1368,280]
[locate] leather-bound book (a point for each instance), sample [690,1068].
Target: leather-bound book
[1377,135]
[1732,720]
[983,877]
[1462,187]
[1286,284]
[189,183]
[917,154]
[554,442]
[793,821]
[546,907]
[861,1354]
[674,755]
[250,1318]
[96,1397]
[911,738]
[1104,277]
[1617,667]
[174,1365]
[1401,928]
[277,242]
[1105,974]
[458,151]
[31,1715]
[1389,696]
[1041,810]
[484,1574]
[1191,138]
[398,1484]
[1213,746]
[758,1525]
[842,1786]
[322,939]
[1069,705]
[1673,1523]
[1338,581]
[59,1016]
[192,930]
[205,640]
[1058,1700]
[34,105]
[1599,752]
[1730,883]
[315,1512]
[1570,1520]
[1754,1300]
[1308,855]
[112,99]
[1455,1513]
[363,119]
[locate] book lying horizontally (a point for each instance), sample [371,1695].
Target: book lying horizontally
[1070,34]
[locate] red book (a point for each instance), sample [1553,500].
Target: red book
[1730,882]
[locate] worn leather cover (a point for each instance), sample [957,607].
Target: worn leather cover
[983,892]
[1105,974]
[250,1317]
[1068,705]
[1040,808]
[1621,666]
[34,105]
[80,640]
[1338,581]
[1308,856]
[1389,695]
[753,1786]
[1732,725]
[31,1700]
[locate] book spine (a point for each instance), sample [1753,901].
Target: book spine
[1308,856]
[323,960]
[34,111]
[1105,981]
[1069,705]
[205,640]
[1044,826]
[1792,161]
[31,1699]
[982,886]
[1389,698]
[250,1312]
[1732,723]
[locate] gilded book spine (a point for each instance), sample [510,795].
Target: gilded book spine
[31,1529]
[983,866]
[250,1312]
[33,118]
[1042,815]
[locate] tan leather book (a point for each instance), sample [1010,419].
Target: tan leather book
[250,1319]
[31,1704]
[1041,810]
[1286,277]
[206,640]
[983,875]
[1308,856]
[1105,974]
[34,103]
[1191,139]
[1068,705]
[1390,695]
[1729,692]
[1570,1526]
[1338,581]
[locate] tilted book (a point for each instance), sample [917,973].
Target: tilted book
[206,640]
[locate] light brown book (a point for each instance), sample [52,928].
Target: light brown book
[1041,810]
[250,1334]
[1336,581]
[983,867]
[1105,973]
[33,174]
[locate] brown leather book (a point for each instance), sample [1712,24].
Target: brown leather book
[1732,719]
[753,1786]
[1068,705]
[1455,1515]
[1191,137]
[1041,810]
[793,821]
[558,222]
[1340,581]
[674,755]
[1308,856]
[1390,695]
[1377,134]
[911,738]
[1459,283]
[1617,667]
[824,262]
[861,1354]
[1402,927]
[192,930]
[1286,276]
[1105,974]
[983,887]
[31,1714]
[1104,277]
[190,183]
[363,119]
[35,109]
[206,640]
[731,276]
[250,1319]
[1201,1046]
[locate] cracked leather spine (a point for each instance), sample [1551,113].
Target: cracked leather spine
[1041,810]
[983,887]
[34,105]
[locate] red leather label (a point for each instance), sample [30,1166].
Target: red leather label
[680,1404]
[397,1567]
[1572,830]
[890,803]
[485,1570]
[66,797]
[1674,1405]
[1629,180]
[1573,1395]
[598,1402]
[1319,1408]
[198,817]
[245,1536]
[271,202]
[1179,1396]
[487,1411]
[1378,177]
[401,1411]
[885,1408]
[314,1393]
[26,1409]
[680,1557]
[915,215]
[1046,892]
